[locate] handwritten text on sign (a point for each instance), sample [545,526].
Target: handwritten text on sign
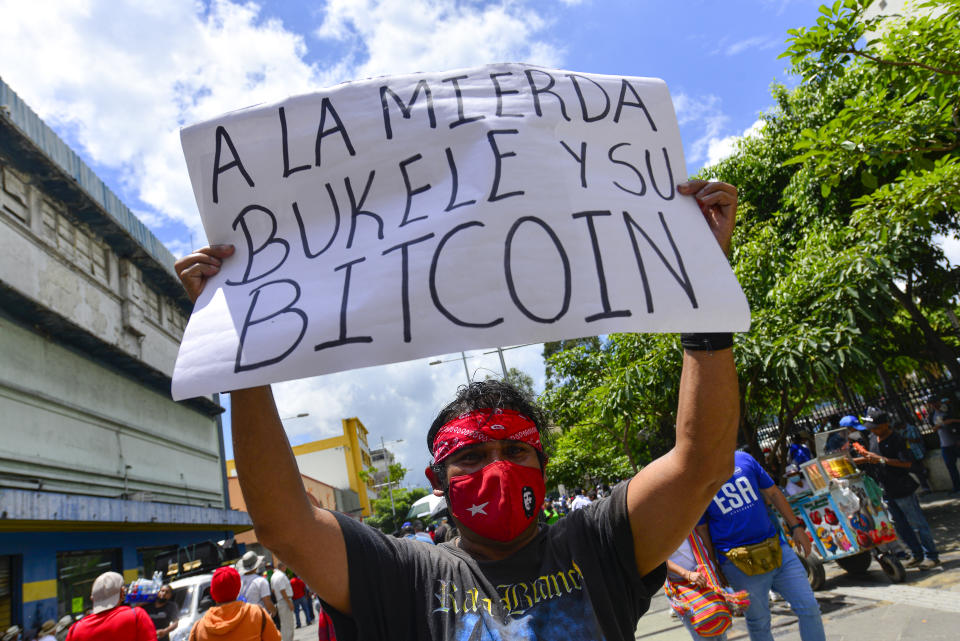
[403,217]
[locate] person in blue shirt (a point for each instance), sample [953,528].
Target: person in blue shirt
[799,452]
[738,517]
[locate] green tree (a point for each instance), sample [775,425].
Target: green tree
[389,517]
[898,132]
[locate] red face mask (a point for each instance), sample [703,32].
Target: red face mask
[499,501]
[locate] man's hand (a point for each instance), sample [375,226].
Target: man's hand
[801,541]
[195,269]
[718,203]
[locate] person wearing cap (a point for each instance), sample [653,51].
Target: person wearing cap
[11,634]
[796,482]
[589,576]
[946,422]
[110,619]
[891,461]
[45,633]
[254,588]
[63,627]
[231,619]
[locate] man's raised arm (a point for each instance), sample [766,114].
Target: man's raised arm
[308,539]
[667,498]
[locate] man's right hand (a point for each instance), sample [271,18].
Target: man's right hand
[195,269]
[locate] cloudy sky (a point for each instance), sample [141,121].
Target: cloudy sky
[118,79]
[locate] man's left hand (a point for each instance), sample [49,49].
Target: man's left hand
[718,203]
[802,541]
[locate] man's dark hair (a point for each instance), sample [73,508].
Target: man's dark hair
[492,394]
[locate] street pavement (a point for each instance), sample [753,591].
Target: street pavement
[307,632]
[925,607]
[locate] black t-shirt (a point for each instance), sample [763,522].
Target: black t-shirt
[895,481]
[162,616]
[576,580]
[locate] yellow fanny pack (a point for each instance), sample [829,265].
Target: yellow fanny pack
[758,558]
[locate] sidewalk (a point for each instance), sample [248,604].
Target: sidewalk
[925,607]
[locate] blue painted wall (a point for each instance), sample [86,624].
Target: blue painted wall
[39,558]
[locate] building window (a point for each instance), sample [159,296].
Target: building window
[7,581]
[151,305]
[76,572]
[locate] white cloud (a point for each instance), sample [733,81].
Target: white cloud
[123,77]
[759,43]
[720,148]
[396,401]
[120,78]
[404,36]
[705,115]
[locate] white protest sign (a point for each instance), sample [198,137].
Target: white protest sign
[407,216]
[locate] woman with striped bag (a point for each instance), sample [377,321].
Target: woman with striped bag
[695,593]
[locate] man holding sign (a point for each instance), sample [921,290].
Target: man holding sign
[590,576]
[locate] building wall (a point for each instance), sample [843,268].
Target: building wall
[330,465]
[321,495]
[54,259]
[337,462]
[74,425]
[74,422]
[37,553]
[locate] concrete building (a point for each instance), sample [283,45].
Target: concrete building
[382,459]
[99,468]
[338,461]
[319,493]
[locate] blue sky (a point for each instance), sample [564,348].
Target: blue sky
[116,80]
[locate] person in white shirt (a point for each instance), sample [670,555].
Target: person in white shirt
[253,587]
[281,587]
[580,501]
[796,483]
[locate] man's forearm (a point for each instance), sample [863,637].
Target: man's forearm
[266,468]
[782,505]
[708,412]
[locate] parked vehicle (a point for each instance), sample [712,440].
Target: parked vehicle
[192,596]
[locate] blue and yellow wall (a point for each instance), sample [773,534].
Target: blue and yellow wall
[35,589]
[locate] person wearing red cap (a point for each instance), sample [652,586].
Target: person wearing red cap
[589,576]
[230,619]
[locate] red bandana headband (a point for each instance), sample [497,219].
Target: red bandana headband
[480,426]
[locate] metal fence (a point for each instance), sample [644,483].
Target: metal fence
[908,403]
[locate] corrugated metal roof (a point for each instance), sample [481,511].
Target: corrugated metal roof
[26,505]
[57,151]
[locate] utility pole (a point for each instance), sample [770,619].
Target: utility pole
[389,483]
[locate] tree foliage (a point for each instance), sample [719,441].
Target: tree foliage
[844,191]
[389,517]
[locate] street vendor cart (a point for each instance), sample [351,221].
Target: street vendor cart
[846,518]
